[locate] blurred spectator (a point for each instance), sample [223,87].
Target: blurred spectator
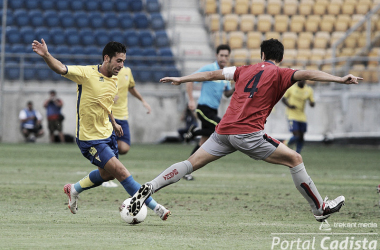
[55,118]
[30,120]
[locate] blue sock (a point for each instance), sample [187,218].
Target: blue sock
[299,146]
[132,186]
[90,181]
[293,139]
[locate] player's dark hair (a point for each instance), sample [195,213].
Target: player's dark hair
[112,48]
[223,47]
[273,50]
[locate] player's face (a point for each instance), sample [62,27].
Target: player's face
[116,63]
[223,57]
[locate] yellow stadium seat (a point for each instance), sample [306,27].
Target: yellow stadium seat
[236,39]
[272,34]
[363,6]
[321,39]
[241,7]
[375,3]
[289,40]
[254,56]
[290,7]
[312,23]
[303,56]
[348,7]
[355,19]
[219,38]
[304,40]
[289,57]
[352,40]
[374,70]
[257,7]
[317,55]
[239,57]
[209,6]
[320,6]
[305,7]
[274,7]
[335,36]
[327,23]
[230,22]
[264,23]
[281,23]
[362,40]
[373,55]
[297,23]
[226,6]
[254,39]
[213,21]
[342,23]
[247,22]
[334,7]
[359,70]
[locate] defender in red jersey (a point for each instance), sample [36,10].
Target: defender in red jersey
[258,88]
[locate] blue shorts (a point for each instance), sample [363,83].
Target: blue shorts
[127,136]
[99,152]
[297,126]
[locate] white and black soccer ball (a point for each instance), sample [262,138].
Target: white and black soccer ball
[130,219]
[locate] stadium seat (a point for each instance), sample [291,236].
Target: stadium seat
[289,40]
[327,23]
[77,5]
[247,22]
[20,17]
[317,55]
[172,71]
[117,36]
[241,7]
[334,7]
[91,6]
[209,7]
[63,50]
[44,33]
[152,6]
[254,39]
[373,55]
[95,53]
[43,72]
[321,39]
[219,38]
[18,49]
[264,23]
[257,7]
[134,56]
[58,36]
[101,37]
[305,7]
[335,36]
[125,21]
[162,39]
[157,21]
[110,20]
[66,19]
[29,71]
[348,7]
[135,6]
[81,19]
[10,18]
[363,6]
[72,36]
[78,55]
[87,37]
[150,55]
[13,35]
[142,74]
[12,71]
[274,7]
[146,38]
[36,19]
[254,56]
[374,73]
[281,23]
[123,7]
[320,6]
[48,5]
[31,4]
[239,57]
[303,56]
[226,6]
[352,40]
[272,34]
[342,22]
[140,21]
[158,73]
[96,20]
[62,5]
[51,18]
[355,19]
[213,22]
[312,23]
[15,4]
[289,57]
[230,22]
[290,7]
[236,39]
[131,38]
[166,56]
[27,35]
[107,6]
[304,40]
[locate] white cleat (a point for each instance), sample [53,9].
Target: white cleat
[139,198]
[73,199]
[329,207]
[162,212]
[109,184]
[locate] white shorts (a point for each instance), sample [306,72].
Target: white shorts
[257,145]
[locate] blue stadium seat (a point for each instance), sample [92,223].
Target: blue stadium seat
[15,4]
[78,52]
[93,5]
[101,37]
[62,5]
[152,6]
[157,21]
[36,18]
[125,21]
[87,36]
[135,5]
[111,20]
[66,18]
[21,17]
[72,36]
[117,36]
[51,18]
[10,18]
[7,50]
[162,39]
[134,52]
[95,52]
[58,36]
[63,50]
[122,6]
[96,20]
[158,73]
[131,38]
[32,4]
[81,19]
[151,56]
[44,33]
[29,72]
[43,72]
[48,4]
[142,74]
[18,49]
[166,56]
[12,71]
[13,35]
[77,5]
[140,20]
[27,35]
[172,71]
[146,39]
[107,6]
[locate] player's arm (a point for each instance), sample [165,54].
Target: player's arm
[42,50]
[315,75]
[197,77]
[287,104]
[189,91]
[116,127]
[229,93]
[137,94]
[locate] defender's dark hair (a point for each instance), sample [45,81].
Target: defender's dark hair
[273,50]
[223,47]
[112,48]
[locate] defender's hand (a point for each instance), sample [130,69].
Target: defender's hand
[118,130]
[173,80]
[351,79]
[40,48]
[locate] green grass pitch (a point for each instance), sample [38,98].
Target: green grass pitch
[233,203]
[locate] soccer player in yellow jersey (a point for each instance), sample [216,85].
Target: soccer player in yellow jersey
[97,88]
[295,99]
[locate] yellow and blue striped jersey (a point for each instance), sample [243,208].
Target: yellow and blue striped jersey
[125,82]
[95,95]
[298,96]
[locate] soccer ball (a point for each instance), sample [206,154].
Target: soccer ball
[130,219]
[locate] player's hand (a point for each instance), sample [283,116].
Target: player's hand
[147,106]
[351,79]
[292,107]
[40,48]
[172,80]
[115,99]
[118,130]
[191,105]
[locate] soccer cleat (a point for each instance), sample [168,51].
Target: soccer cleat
[162,212]
[329,207]
[139,198]
[73,199]
[109,184]
[190,133]
[188,177]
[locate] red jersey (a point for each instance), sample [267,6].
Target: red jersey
[258,88]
